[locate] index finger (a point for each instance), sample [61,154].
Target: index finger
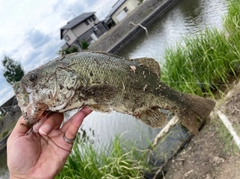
[21,127]
[70,128]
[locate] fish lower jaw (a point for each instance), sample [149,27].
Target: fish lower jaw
[65,108]
[58,108]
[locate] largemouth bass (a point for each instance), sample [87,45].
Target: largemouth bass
[106,82]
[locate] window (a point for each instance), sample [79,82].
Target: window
[86,22]
[93,18]
[125,9]
[67,38]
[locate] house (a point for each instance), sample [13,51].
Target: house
[83,28]
[119,11]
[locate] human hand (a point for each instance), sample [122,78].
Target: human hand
[43,153]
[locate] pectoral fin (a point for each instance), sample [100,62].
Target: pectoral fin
[100,108]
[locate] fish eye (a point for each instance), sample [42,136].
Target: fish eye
[32,77]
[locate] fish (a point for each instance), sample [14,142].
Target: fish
[106,82]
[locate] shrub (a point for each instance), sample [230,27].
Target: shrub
[84,45]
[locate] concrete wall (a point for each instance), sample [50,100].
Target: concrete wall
[3,143]
[122,34]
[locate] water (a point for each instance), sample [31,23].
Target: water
[187,18]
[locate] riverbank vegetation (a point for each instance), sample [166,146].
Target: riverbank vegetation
[200,65]
[204,64]
[114,162]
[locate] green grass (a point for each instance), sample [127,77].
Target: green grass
[203,64]
[116,162]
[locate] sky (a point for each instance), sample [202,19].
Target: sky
[30,30]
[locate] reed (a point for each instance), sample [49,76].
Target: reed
[115,162]
[203,64]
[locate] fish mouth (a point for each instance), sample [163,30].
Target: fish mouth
[33,112]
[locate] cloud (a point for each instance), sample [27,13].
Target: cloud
[30,30]
[37,38]
[6,91]
[70,10]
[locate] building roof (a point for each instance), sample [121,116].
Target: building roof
[115,7]
[77,20]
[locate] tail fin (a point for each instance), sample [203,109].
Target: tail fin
[195,107]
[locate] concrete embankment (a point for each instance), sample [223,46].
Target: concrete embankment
[122,34]
[3,143]
[7,124]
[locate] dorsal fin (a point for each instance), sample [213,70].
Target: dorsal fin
[152,64]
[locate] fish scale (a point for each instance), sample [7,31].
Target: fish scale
[106,82]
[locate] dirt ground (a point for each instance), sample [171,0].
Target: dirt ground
[212,154]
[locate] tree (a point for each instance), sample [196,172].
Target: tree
[12,70]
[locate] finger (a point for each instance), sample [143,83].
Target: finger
[37,126]
[44,117]
[21,127]
[83,113]
[53,122]
[70,128]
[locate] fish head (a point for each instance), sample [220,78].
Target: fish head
[21,94]
[24,95]
[47,88]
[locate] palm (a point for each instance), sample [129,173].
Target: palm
[40,156]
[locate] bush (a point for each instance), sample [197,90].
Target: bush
[72,49]
[84,45]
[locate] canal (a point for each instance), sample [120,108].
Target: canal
[187,18]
